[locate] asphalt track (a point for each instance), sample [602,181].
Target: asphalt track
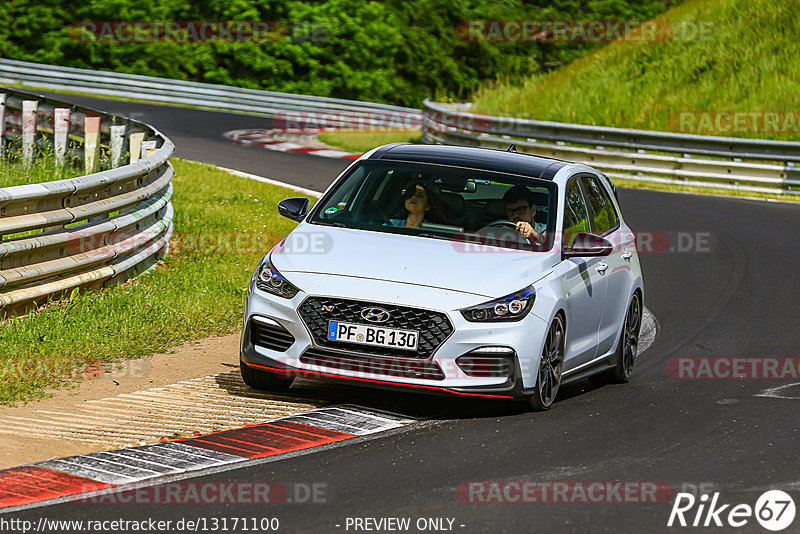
[198,136]
[735,296]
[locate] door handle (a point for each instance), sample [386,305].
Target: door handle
[627,256]
[601,267]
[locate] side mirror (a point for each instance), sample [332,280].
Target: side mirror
[586,244]
[295,209]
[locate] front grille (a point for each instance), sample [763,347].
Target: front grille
[485,366]
[433,327]
[270,335]
[370,366]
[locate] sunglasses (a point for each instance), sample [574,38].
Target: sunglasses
[517,211]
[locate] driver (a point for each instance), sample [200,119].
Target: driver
[521,210]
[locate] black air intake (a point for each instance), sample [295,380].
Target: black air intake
[269,334]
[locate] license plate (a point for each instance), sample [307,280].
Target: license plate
[373,335]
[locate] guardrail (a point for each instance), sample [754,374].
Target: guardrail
[723,162]
[90,231]
[307,111]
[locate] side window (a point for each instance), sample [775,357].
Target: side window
[612,211]
[603,216]
[576,219]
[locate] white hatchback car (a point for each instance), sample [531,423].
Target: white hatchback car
[453,270]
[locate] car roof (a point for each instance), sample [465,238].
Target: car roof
[473,157]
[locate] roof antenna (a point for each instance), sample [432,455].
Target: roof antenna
[512,148]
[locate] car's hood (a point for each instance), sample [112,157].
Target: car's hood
[486,271]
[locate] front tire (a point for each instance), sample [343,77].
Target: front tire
[548,378]
[263,380]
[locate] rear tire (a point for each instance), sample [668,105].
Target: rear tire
[263,380]
[627,348]
[548,378]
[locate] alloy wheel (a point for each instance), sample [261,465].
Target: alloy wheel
[630,339]
[550,366]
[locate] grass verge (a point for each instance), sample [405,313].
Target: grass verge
[223,225]
[744,60]
[361,141]
[42,169]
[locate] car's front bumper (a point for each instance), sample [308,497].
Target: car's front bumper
[521,340]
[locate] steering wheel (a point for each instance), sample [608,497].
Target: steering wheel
[375,214]
[506,224]
[500,223]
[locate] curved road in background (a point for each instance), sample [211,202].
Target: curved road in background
[735,296]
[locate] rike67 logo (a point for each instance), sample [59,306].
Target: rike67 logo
[774,510]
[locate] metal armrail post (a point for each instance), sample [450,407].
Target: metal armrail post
[117,143]
[91,144]
[29,109]
[2,123]
[91,230]
[61,122]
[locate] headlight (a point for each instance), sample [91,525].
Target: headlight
[270,280]
[509,308]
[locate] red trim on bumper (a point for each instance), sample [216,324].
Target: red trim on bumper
[301,372]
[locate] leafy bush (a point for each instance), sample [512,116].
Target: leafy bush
[748,64]
[398,51]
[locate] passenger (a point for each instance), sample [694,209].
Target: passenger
[521,210]
[420,204]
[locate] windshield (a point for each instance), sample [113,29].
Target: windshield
[443,202]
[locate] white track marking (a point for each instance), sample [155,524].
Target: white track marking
[649,330]
[778,392]
[309,192]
